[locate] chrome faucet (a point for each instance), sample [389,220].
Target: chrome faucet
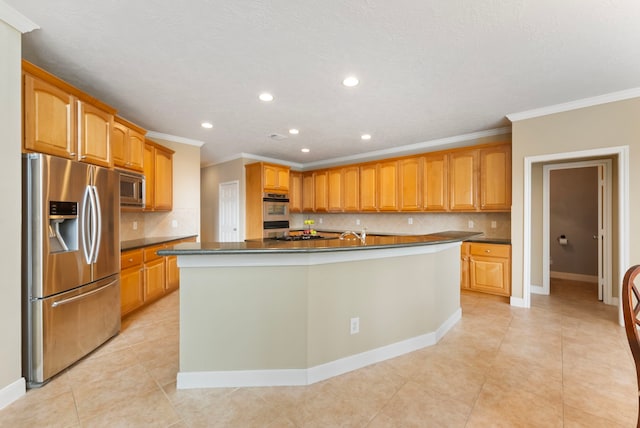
[362,236]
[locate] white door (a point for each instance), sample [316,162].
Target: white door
[229,211]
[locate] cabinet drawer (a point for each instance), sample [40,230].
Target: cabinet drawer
[130,258]
[150,252]
[490,250]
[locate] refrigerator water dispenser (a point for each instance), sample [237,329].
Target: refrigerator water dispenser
[63,226]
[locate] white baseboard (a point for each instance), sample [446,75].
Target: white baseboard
[518,302]
[538,289]
[12,392]
[574,276]
[244,378]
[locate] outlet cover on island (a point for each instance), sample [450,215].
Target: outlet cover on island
[174,223]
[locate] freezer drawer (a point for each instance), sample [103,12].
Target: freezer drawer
[68,326]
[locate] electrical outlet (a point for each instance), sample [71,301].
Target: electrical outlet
[320,220]
[494,224]
[470,224]
[410,220]
[174,223]
[355,325]
[135,225]
[357,222]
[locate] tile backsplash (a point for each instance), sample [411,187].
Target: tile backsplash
[421,223]
[178,222]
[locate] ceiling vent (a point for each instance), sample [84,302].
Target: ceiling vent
[277,137]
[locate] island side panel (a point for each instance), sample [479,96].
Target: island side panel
[249,318]
[396,298]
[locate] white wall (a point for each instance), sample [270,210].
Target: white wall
[186,200]
[11,381]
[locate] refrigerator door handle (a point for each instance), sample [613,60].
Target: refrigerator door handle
[82,296]
[87,246]
[98,224]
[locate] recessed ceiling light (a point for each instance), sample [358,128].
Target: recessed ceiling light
[305,150]
[350,81]
[265,96]
[294,131]
[207,125]
[366,137]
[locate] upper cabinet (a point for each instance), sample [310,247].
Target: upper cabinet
[463,180]
[127,145]
[495,178]
[469,179]
[63,121]
[295,191]
[275,178]
[158,172]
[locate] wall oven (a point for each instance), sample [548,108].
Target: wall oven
[131,189]
[275,215]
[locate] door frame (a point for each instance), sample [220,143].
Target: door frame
[220,207]
[604,209]
[622,238]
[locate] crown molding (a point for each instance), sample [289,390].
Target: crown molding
[257,158]
[577,104]
[174,138]
[16,19]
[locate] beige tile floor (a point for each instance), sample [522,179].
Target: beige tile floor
[563,363]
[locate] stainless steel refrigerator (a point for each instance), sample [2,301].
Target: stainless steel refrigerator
[70,262]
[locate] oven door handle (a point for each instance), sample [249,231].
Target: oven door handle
[275,200]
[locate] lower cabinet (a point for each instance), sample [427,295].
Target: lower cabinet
[486,268]
[145,276]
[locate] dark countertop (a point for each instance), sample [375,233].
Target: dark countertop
[477,236]
[486,240]
[315,245]
[134,244]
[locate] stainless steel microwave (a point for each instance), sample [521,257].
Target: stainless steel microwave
[131,189]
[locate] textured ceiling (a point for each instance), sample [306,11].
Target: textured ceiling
[428,69]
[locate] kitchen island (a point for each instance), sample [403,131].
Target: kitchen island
[261,313]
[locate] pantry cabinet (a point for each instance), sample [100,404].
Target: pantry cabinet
[158,173]
[489,268]
[127,145]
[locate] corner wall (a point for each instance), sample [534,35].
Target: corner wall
[11,381]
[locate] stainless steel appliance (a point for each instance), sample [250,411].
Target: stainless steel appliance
[70,262]
[275,215]
[131,189]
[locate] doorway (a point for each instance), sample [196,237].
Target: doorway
[577,224]
[620,240]
[229,211]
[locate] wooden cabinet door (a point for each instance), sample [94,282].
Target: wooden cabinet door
[172,273]
[154,279]
[335,190]
[149,176]
[163,197]
[320,186]
[119,143]
[463,181]
[131,289]
[495,178]
[490,268]
[308,197]
[270,177]
[410,184]
[368,187]
[94,135]
[388,186]
[283,179]
[351,188]
[295,192]
[435,194]
[135,154]
[464,266]
[49,119]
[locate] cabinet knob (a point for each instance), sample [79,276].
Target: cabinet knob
[487,251]
[130,260]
